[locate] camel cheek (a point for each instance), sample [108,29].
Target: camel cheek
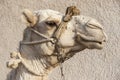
[67,39]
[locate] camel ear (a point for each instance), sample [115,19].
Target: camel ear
[29,18]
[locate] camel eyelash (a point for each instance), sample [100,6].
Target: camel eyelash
[50,23]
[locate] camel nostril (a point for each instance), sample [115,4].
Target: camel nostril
[104,40]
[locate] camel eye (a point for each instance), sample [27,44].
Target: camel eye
[51,23]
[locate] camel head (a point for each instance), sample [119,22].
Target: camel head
[76,34]
[81,32]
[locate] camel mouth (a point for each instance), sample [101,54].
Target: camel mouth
[90,44]
[97,42]
[93,44]
[100,45]
[94,41]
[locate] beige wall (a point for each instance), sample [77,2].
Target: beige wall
[87,65]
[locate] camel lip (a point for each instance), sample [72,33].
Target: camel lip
[99,46]
[99,42]
[95,41]
[96,45]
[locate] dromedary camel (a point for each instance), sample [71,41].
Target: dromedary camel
[50,39]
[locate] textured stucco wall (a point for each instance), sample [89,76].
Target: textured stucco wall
[86,65]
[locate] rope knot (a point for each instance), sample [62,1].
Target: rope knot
[14,61]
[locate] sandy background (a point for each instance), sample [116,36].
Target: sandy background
[86,65]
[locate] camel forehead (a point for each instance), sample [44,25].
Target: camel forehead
[44,14]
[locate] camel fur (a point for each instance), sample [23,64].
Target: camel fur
[35,62]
